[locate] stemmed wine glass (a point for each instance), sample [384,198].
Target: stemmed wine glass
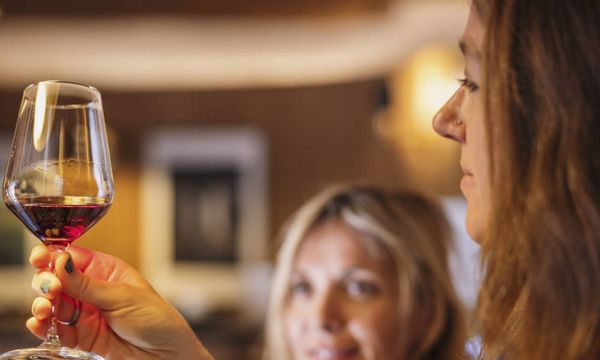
[58,180]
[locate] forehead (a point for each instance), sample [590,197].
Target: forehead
[472,38]
[334,244]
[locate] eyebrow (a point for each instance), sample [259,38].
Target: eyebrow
[348,272]
[355,269]
[468,50]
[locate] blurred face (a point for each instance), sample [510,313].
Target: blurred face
[343,299]
[462,119]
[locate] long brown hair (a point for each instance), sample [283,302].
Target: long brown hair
[540,298]
[413,230]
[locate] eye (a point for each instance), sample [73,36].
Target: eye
[300,288]
[362,288]
[471,86]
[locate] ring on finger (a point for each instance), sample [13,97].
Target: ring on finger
[74,317]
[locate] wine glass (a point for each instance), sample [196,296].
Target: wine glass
[58,180]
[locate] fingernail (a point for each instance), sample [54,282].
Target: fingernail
[69,265]
[34,307]
[45,287]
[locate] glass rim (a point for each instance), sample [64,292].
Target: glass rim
[91,88]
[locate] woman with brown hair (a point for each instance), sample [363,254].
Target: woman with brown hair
[528,121]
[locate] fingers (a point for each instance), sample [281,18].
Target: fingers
[82,257]
[69,279]
[67,276]
[41,308]
[46,284]
[65,312]
[40,257]
[37,327]
[96,292]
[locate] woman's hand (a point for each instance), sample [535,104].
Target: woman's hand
[122,316]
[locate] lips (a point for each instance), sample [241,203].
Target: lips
[467,180]
[333,353]
[465,169]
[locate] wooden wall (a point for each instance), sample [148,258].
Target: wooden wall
[317,135]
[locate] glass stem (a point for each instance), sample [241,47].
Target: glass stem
[52,340]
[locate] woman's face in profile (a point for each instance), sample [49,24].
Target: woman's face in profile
[462,120]
[343,299]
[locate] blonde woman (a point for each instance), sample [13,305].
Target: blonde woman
[362,274]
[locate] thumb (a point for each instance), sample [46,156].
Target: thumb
[101,294]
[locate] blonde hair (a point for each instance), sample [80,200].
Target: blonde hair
[412,230]
[540,298]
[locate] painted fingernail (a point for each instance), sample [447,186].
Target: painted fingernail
[45,287]
[69,265]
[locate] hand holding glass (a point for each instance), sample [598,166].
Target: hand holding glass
[59,179]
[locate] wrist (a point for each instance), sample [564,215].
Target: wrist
[194,350]
[192,347]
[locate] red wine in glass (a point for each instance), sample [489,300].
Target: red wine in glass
[59,220]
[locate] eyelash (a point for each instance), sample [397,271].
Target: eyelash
[468,84]
[362,288]
[355,289]
[300,288]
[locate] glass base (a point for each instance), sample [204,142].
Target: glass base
[49,354]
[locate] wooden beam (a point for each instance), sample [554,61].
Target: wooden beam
[188,7]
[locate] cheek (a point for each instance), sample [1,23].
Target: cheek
[377,331]
[479,205]
[476,211]
[293,325]
[478,198]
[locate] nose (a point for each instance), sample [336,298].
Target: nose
[328,312]
[449,122]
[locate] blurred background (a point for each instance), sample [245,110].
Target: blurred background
[224,116]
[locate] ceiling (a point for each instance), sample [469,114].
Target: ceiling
[158,51]
[189,7]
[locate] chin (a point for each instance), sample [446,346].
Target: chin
[474,228]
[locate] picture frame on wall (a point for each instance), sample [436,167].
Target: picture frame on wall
[204,219]
[207,210]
